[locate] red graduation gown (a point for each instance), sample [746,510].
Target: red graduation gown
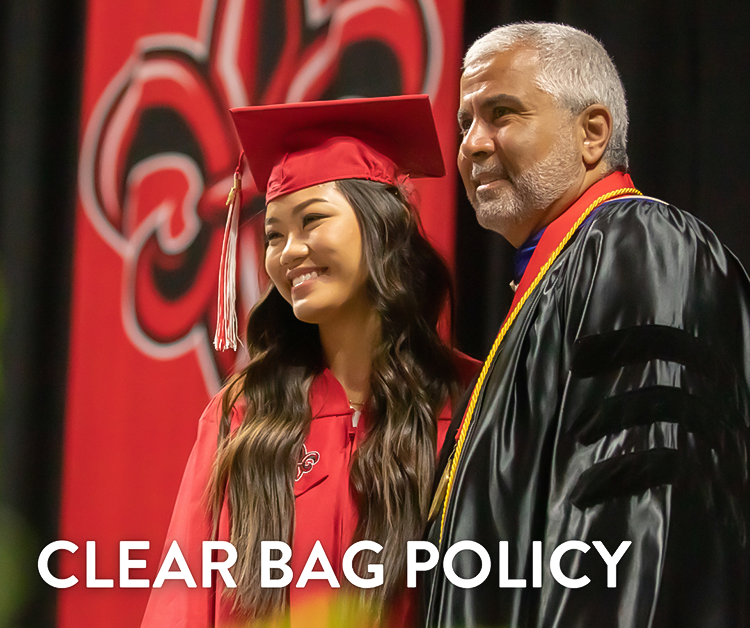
[324,509]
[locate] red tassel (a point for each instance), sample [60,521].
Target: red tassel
[226,317]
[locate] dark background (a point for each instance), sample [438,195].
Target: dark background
[685,65]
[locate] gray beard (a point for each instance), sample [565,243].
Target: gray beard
[532,191]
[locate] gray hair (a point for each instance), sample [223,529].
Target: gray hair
[574,68]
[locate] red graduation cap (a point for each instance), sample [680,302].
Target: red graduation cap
[293,146]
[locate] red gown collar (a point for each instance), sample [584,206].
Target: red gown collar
[327,396]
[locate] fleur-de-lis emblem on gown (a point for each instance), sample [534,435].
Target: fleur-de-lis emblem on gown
[307,461]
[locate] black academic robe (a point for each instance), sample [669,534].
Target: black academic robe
[617,409]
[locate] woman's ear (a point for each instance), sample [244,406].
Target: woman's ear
[594,131]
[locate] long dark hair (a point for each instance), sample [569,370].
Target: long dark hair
[412,377]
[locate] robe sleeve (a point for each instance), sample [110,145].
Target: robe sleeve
[174,604]
[652,445]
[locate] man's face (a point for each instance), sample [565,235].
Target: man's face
[518,156]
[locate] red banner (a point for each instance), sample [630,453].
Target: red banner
[157,154]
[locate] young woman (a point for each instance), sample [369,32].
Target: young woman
[329,436]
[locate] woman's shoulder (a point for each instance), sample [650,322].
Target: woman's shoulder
[231,395]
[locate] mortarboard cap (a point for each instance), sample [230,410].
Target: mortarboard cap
[293,146]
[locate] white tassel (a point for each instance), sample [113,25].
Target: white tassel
[226,317]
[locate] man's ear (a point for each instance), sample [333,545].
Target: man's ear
[594,130]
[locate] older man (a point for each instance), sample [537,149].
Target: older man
[599,475]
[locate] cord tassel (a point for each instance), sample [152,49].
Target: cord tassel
[226,316]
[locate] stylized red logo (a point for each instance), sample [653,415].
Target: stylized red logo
[159,149]
[308,459]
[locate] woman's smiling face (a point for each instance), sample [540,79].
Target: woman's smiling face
[314,253]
